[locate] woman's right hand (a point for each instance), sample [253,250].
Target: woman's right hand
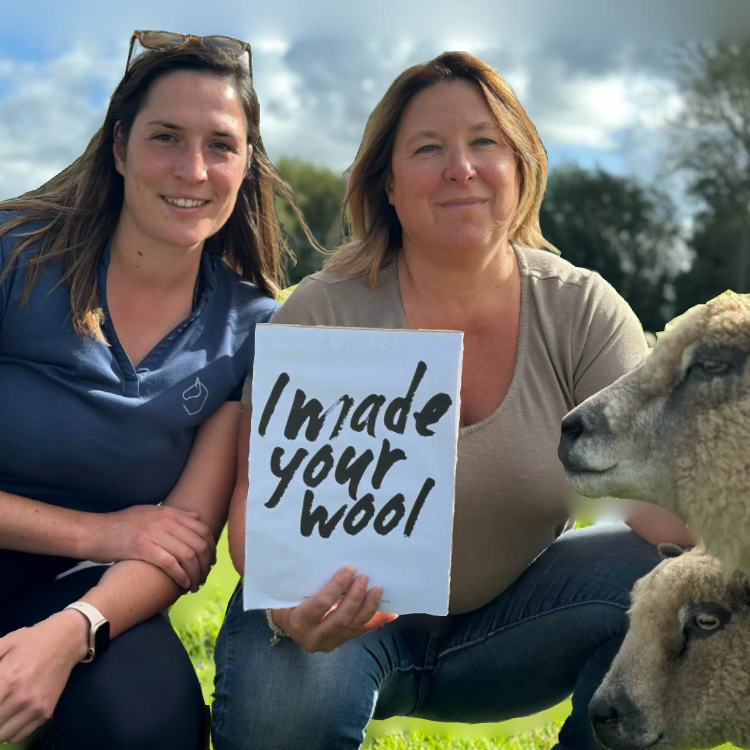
[326,620]
[173,540]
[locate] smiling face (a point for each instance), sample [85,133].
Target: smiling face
[185,159]
[454,180]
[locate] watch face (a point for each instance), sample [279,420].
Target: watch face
[101,638]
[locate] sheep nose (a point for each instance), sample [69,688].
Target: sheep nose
[602,712]
[571,430]
[615,718]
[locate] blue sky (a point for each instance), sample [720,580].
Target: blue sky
[592,73]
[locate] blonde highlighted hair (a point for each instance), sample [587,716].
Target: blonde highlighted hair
[371,231]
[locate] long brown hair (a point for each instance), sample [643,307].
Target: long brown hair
[80,207]
[370,224]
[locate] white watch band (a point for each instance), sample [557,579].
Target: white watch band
[96,620]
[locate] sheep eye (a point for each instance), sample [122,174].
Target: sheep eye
[712,366]
[707,622]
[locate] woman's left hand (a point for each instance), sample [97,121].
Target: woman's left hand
[35,664]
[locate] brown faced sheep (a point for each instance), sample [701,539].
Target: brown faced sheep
[676,430]
[682,677]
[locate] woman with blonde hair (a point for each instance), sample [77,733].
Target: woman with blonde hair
[442,219]
[130,287]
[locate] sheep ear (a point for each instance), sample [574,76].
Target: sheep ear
[667,550]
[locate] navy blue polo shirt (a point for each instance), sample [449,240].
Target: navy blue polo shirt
[80,427]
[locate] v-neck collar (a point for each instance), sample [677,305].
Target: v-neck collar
[207,285]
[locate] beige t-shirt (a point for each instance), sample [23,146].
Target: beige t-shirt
[576,336]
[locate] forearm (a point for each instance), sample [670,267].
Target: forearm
[657,525]
[131,592]
[236,527]
[32,526]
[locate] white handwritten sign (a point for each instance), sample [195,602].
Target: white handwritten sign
[352,461]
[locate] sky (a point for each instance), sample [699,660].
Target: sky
[594,75]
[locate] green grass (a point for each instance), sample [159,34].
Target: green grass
[197,619]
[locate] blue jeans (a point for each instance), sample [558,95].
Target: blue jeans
[553,632]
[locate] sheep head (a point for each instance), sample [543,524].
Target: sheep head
[675,431]
[682,676]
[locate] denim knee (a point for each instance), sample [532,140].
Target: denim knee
[282,697]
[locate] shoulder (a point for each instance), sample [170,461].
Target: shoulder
[581,292]
[542,265]
[244,303]
[330,299]
[11,237]
[589,324]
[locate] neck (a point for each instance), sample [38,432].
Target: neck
[151,265]
[458,279]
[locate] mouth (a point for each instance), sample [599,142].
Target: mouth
[467,203]
[184,203]
[619,745]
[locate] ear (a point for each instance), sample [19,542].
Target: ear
[118,148]
[249,158]
[389,188]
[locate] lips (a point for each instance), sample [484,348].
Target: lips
[463,203]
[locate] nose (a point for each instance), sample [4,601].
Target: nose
[571,429]
[191,165]
[459,168]
[616,720]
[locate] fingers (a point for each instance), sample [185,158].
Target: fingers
[158,556]
[325,621]
[318,605]
[193,553]
[11,732]
[378,620]
[187,558]
[344,614]
[189,520]
[367,609]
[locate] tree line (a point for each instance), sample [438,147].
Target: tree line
[628,231]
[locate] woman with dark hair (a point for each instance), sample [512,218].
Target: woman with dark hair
[130,287]
[442,219]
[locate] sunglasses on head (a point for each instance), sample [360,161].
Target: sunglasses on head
[170,40]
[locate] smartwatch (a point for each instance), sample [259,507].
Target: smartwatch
[98,629]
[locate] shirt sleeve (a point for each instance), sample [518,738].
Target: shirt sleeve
[608,338]
[238,394]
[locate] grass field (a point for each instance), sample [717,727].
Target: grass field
[198,617]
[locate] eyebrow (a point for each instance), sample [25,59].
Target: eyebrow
[181,128]
[484,125]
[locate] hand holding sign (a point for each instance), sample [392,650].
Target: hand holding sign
[352,461]
[326,620]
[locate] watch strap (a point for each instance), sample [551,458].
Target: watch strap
[96,621]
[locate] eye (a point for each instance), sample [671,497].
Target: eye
[484,142]
[164,137]
[714,367]
[708,368]
[427,148]
[222,146]
[707,622]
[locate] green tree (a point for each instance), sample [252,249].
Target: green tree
[626,232]
[319,193]
[711,145]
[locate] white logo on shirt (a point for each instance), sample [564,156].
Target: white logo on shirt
[195,397]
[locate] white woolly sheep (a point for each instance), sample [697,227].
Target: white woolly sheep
[675,431]
[682,677]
